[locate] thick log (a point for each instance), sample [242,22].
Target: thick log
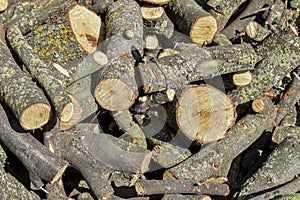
[204,113]
[24,98]
[85,25]
[10,187]
[214,159]
[274,171]
[222,10]
[117,88]
[118,154]
[242,78]
[282,132]
[43,74]
[290,98]
[195,64]
[280,59]
[193,20]
[70,146]
[185,186]
[39,161]
[157,21]
[238,26]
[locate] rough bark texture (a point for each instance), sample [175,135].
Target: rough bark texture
[281,167]
[282,132]
[280,59]
[223,10]
[39,161]
[40,72]
[213,159]
[185,186]
[117,88]
[195,64]
[24,98]
[10,187]
[193,20]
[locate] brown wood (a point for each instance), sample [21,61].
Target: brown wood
[204,113]
[258,105]
[85,25]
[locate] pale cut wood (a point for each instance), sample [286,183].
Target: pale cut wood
[3,5]
[151,12]
[252,29]
[85,25]
[151,42]
[242,78]
[159,2]
[258,105]
[167,52]
[114,94]
[204,113]
[35,116]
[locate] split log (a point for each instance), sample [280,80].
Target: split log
[195,64]
[185,186]
[250,12]
[43,74]
[85,25]
[24,98]
[214,159]
[282,132]
[242,78]
[223,10]
[11,188]
[204,113]
[157,21]
[193,20]
[280,59]
[117,88]
[274,171]
[38,160]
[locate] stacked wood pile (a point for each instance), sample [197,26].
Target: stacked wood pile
[149,99]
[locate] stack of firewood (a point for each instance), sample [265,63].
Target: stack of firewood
[149,99]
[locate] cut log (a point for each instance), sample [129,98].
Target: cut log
[214,159]
[242,78]
[193,20]
[85,25]
[185,186]
[24,98]
[3,5]
[157,21]
[152,13]
[258,105]
[280,59]
[38,160]
[43,74]
[238,26]
[222,10]
[204,113]
[151,42]
[195,64]
[117,88]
